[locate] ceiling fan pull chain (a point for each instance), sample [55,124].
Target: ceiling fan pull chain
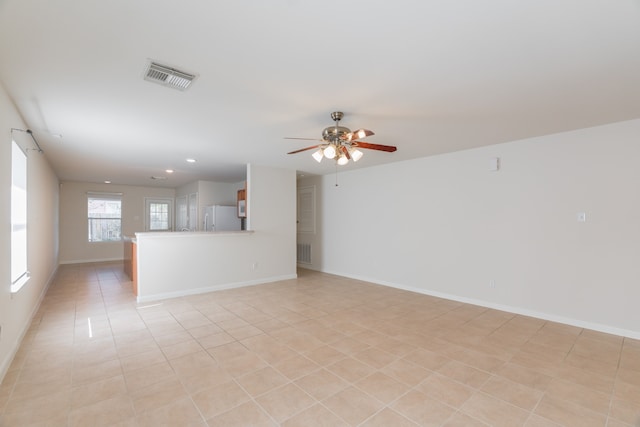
[336,174]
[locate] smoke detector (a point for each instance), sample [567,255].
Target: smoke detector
[167,76]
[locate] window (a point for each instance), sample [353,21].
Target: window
[158,214]
[19,273]
[104,217]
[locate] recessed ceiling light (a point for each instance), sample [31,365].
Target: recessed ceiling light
[169,171]
[191,160]
[107,182]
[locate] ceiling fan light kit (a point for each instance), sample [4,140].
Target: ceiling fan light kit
[356,154]
[341,144]
[318,155]
[330,151]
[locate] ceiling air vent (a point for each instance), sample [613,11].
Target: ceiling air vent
[168,76]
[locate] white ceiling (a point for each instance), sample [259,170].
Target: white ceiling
[429,76]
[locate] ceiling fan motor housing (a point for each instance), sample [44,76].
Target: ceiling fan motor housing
[336,133]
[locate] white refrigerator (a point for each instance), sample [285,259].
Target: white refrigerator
[220,218]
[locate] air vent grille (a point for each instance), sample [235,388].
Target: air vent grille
[168,76]
[304,253]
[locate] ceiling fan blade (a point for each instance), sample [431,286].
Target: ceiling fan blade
[304,139]
[304,149]
[346,152]
[361,133]
[379,147]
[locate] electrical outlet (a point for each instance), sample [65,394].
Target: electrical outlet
[492,283]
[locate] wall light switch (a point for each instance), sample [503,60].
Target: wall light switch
[494,164]
[582,216]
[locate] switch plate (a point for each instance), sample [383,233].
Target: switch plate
[581,216]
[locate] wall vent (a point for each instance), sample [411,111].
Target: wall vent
[304,253]
[167,76]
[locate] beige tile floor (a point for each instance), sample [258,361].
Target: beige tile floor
[320,350]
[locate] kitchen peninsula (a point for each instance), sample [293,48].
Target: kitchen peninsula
[186,263]
[175,264]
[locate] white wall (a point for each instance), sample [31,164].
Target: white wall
[218,193]
[187,189]
[42,233]
[74,246]
[446,225]
[271,212]
[174,264]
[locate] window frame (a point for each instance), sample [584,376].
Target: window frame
[106,197]
[148,201]
[19,217]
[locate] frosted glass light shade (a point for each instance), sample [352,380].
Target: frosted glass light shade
[330,152]
[318,155]
[343,160]
[361,133]
[356,155]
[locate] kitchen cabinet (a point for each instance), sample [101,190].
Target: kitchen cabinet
[131,262]
[242,203]
[134,267]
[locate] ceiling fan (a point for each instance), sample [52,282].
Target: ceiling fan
[341,144]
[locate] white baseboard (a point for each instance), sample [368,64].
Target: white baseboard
[15,346]
[87,261]
[608,329]
[196,291]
